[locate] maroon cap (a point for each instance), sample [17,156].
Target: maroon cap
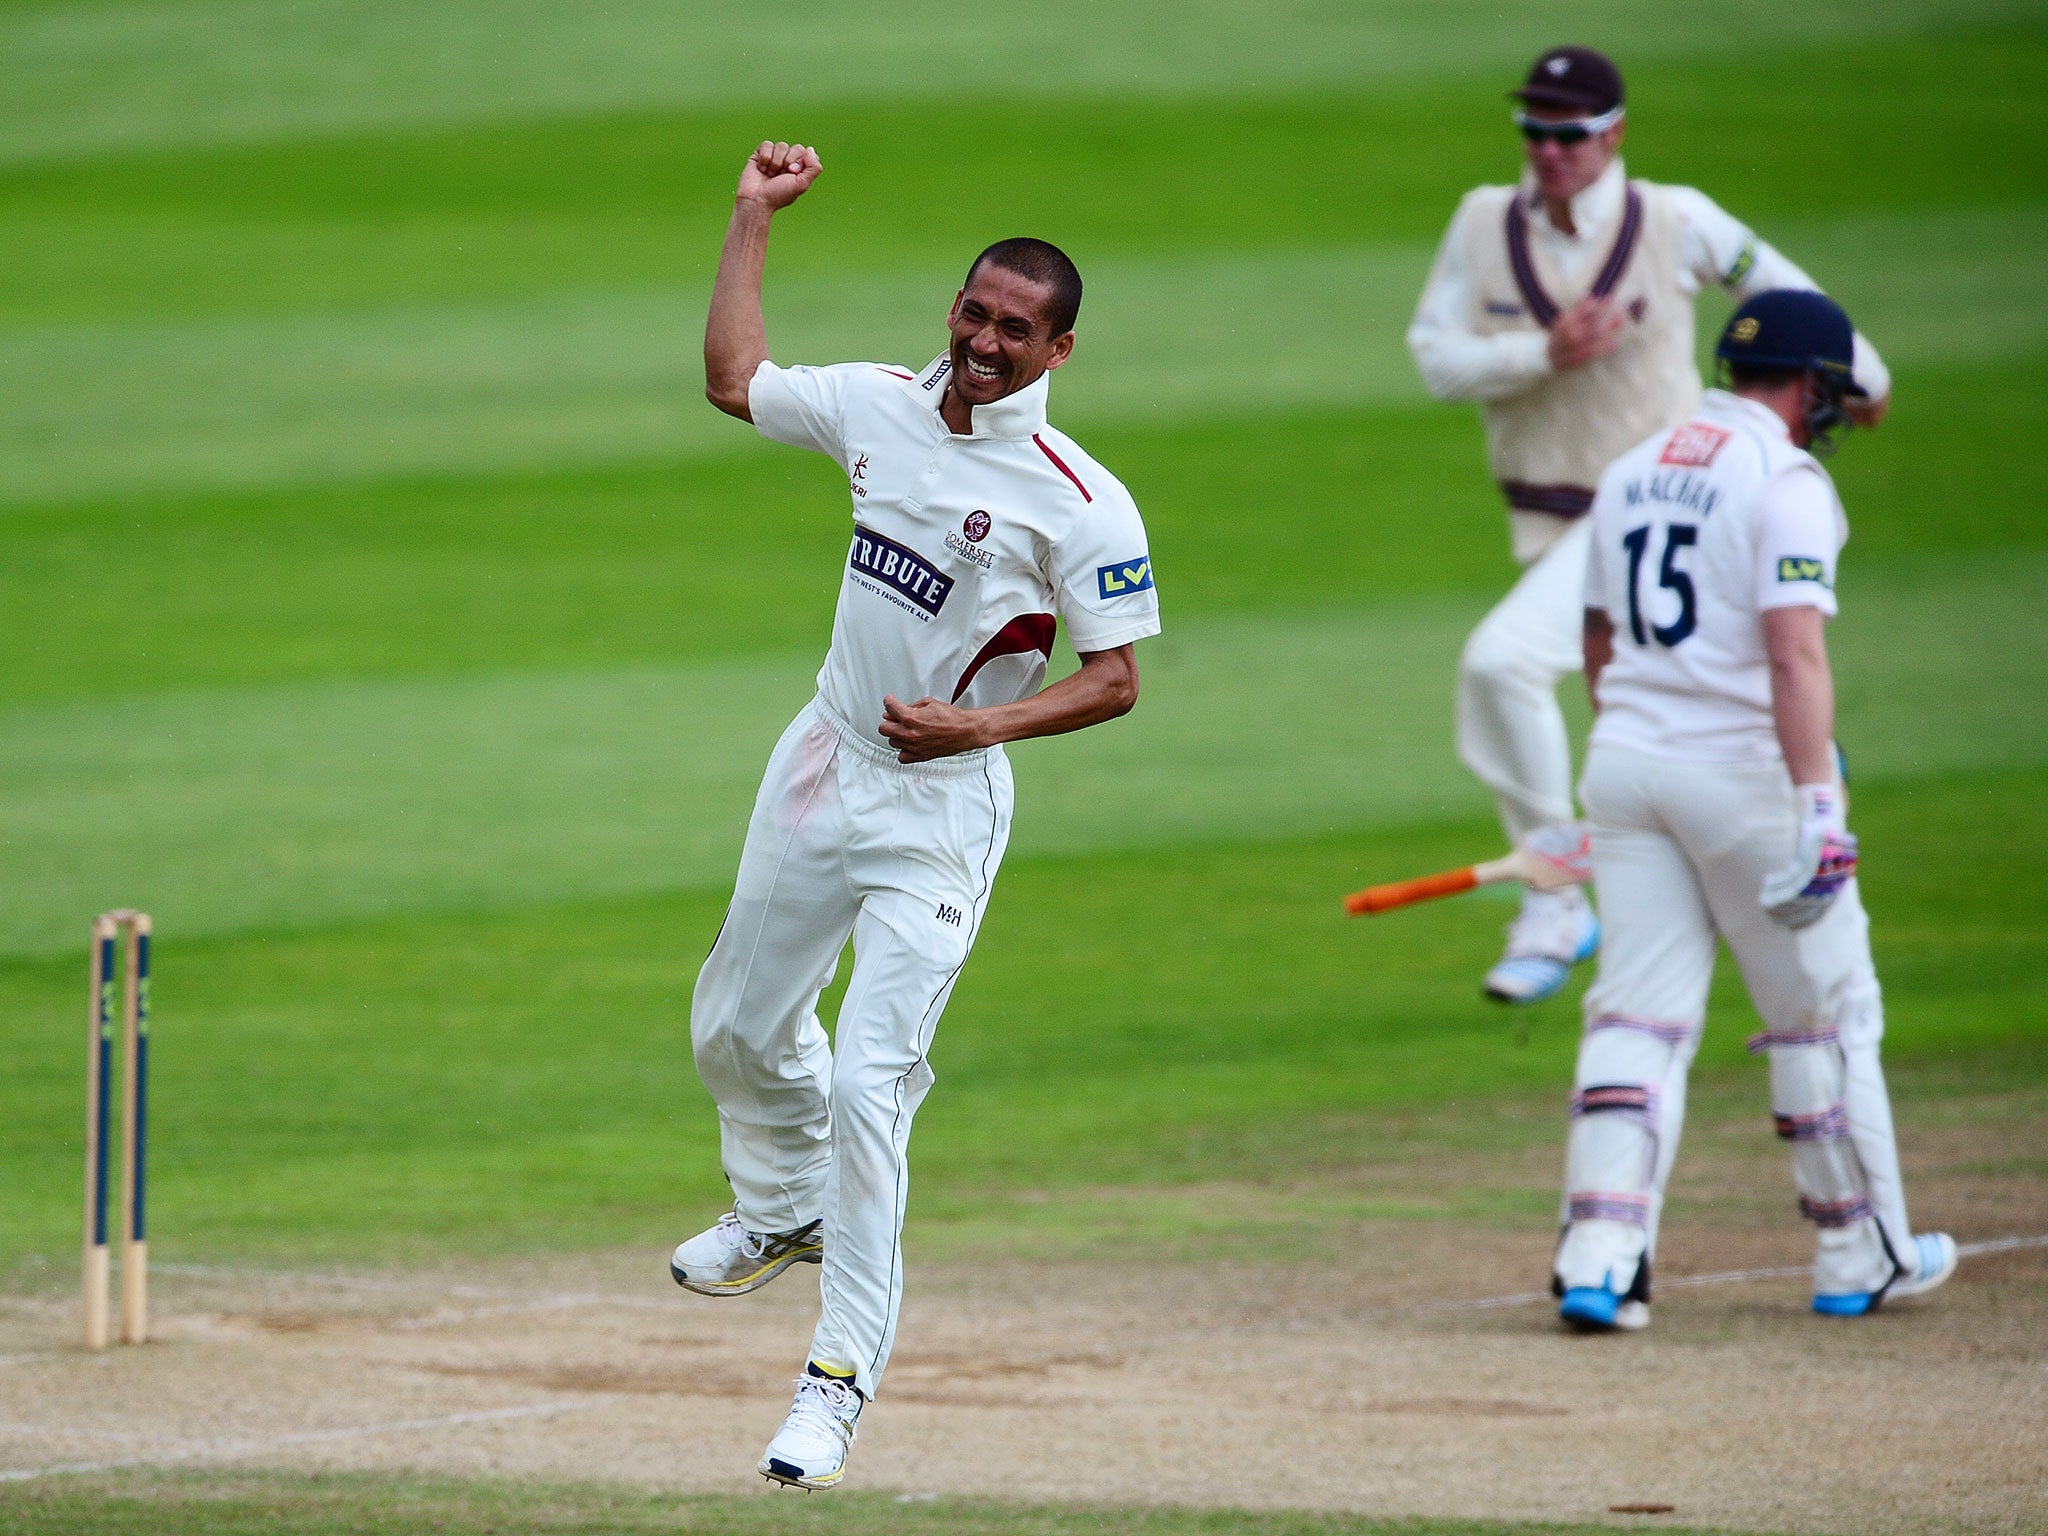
[1575,79]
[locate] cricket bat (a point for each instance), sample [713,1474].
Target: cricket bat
[1559,863]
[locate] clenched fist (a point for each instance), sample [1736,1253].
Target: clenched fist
[777,174]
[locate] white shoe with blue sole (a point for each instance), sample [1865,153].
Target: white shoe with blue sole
[1598,1309]
[1553,932]
[1936,1252]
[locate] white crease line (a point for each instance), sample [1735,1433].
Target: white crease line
[232,1449]
[510,1301]
[1731,1276]
[28,1357]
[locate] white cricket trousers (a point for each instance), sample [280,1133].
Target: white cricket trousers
[1680,850]
[1510,730]
[844,840]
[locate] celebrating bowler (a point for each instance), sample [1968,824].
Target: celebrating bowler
[885,809]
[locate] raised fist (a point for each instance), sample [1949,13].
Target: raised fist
[777,174]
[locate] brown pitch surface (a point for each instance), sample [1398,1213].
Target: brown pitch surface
[1374,1382]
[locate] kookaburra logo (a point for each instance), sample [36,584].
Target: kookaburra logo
[860,467]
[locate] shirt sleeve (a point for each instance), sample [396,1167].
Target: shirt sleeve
[1101,574]
[1596,580]
[1719,249]
[803,407]
[1800,530]
[1456,362]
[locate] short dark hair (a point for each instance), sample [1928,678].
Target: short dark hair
[1039,261]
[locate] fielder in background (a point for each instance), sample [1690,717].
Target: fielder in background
[1716,813]
[976,529]
[1564,305]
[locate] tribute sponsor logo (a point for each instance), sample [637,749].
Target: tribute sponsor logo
[1125,577]
[902,575]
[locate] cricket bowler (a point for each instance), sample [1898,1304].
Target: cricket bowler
[977,528]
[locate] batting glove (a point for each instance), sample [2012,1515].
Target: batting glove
[1823,860]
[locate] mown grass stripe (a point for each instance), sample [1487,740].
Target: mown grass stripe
[235,809]
[81,78]
[604,377]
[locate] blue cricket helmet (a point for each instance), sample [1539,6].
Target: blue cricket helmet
[1792,328]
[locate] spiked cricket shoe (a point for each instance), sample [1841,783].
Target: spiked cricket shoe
[1938,1260]
[728,1260]
[809,1451]
[1936,1252]
[1594,1309]
[1553,932]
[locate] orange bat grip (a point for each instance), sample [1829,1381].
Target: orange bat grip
[1383,898]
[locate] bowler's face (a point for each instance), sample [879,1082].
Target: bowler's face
[1563,171]
[1001,343]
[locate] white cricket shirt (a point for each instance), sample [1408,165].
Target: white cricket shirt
[1697,531]
[966,551]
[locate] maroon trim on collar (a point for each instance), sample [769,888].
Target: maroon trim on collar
[895,373]
[1061,465]
[1624,244]
[1542,308]
[1557,500]
[1024,634]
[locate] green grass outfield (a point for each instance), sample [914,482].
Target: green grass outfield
[387,613]
[382,607]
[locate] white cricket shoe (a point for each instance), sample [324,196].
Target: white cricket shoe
[1938,1260]
[1936,1252]
[728,1260]
[1553,932]
[809,1451]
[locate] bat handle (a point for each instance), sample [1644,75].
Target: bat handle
[1383,898]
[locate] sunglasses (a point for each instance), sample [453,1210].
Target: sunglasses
[1569,132]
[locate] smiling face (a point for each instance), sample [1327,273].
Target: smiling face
[1563,171]
[1001,342]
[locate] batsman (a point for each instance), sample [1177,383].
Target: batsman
[1717,812]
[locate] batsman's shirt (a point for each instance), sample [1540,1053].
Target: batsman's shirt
[967,552]
[1696,532]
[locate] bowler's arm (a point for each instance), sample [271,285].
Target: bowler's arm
[735,332]
[1105,686]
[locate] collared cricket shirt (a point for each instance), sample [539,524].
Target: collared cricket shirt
[966,552]
[1696,532]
